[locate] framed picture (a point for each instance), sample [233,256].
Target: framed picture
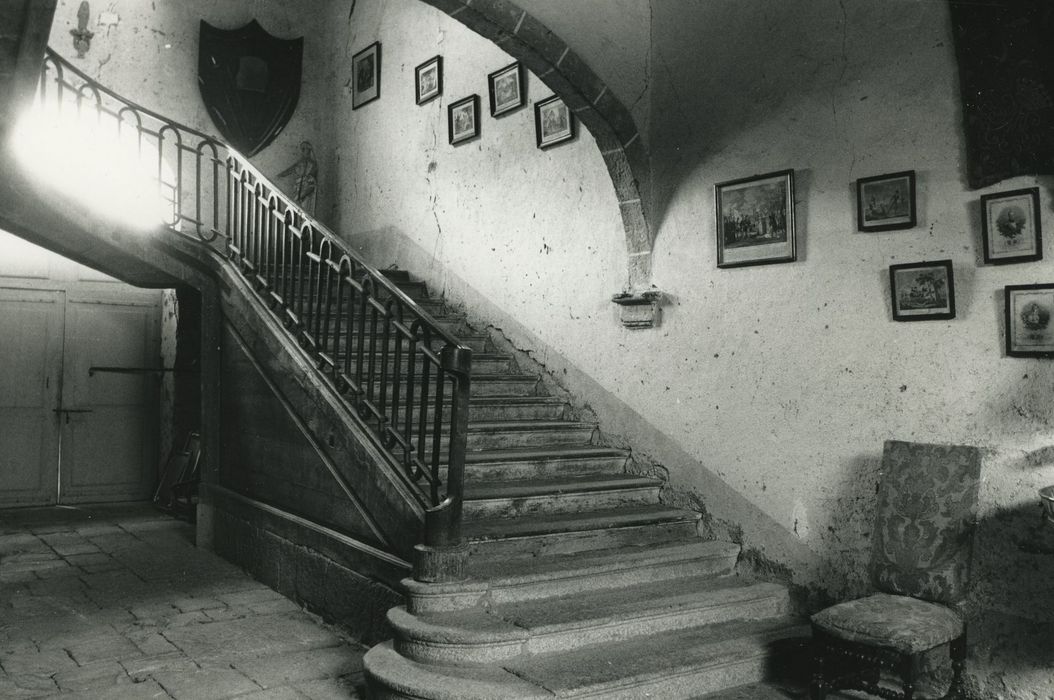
[755,220]
[553,122]
[428,80]
[463,119]
[366,75]
[1010,226]
[922,291]
[506,90]
[886,202]
[1029,309]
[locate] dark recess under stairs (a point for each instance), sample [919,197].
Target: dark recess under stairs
[581,582]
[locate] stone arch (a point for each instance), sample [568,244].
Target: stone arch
[600,111]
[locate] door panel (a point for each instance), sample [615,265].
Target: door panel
[31,326]
[109,450]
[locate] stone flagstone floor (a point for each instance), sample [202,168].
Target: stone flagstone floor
[117,602]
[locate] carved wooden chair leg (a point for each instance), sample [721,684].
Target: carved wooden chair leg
[908,669]
[818,688]
[957,651]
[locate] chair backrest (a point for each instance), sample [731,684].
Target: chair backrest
[927,509]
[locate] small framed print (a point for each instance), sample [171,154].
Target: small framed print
[553,122]
[428,80]
[922,291]
[755,220]
[463,119]
[1029,310]
[366,75]
[886,202]
[1010,226]
[506,90]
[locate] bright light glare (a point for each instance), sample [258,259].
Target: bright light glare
[85,156]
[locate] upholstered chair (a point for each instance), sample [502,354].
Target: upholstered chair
[920,565]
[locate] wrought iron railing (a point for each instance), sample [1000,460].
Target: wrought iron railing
[403,374]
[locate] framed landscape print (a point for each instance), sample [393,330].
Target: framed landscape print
[755,220]
[922,291]
[463,119]
[506,90]
[1010,227]
[553,122]
[366,75]
[886,202]
[428,80]
[1029,309]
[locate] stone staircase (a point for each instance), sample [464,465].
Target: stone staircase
[581,583]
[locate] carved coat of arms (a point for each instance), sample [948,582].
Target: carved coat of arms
[250,83]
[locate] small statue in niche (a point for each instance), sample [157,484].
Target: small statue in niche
[82,36]
[305,177]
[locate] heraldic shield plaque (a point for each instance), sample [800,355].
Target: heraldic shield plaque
[250,83]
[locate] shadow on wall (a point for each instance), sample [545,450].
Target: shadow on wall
[1011,604]
[702,102]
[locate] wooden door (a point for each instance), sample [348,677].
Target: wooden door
[110,399]
[31,329]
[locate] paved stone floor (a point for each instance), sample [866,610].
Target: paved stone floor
[118,603]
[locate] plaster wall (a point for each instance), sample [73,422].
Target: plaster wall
[767,392]
[522,226]
[148,52]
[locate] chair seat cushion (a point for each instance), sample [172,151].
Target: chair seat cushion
[908,625]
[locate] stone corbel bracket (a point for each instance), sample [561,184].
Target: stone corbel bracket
[638,310]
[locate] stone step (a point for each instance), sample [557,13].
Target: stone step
[522,434]
[504,499]
[478,342]
[681,665]
[502,384]
[674,666]
[482,362]
[503,632]
[509,408]
[496,580]
[453,324]
[575,532]
[564,462]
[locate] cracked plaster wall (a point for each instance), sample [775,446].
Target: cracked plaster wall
[767,392]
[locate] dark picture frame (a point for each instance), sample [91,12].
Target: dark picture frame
[463,119]
[366,75]
[886,202]
[554,123]
[1011,227]
[1029,320]
[507,89]
[922,291]
[755,220]
[428,80]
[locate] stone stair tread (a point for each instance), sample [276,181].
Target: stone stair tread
[606,669]
[532,453]
[590,608]
[553,523]
[520,488]
[503,570]
[506,426]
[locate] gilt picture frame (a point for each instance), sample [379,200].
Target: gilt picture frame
[1011,230]
[507,92]
[886,202]
[463,120]
[366,75]
[1029,320]
[922,291]
[755,220]
[428,80]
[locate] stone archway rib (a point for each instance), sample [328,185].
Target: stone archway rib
[600,111]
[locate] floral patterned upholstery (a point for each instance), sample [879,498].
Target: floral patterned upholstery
[898,622]
[927,505]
